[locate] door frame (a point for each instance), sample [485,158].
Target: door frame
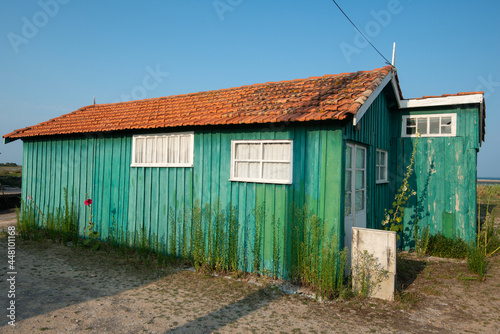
[354,219]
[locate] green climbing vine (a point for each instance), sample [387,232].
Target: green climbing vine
[394,217]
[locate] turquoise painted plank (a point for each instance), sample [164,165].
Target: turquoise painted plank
[180,205]
[224,169]
[126,183]
[163,206]
[311,177]
[155,208]
[64,169]
[207,164]
[173,205]
[146,205]
[77,171]
[215,169]
[107,185]
[322,154]
[71,169]
[118,164]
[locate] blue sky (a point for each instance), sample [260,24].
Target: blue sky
[57,54]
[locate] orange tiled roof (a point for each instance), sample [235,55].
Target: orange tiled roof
[333,97]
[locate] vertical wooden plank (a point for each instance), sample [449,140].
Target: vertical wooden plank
[117,165]
[224,169]
[163,231]
[312,169]
[140,202]
[147,223]
[124,208]
[215,169]
[25,172]
[322,165]
[132,202]
[64,143]
[172,206]
[333,186]
[71,169]
[207,173]
[155,195]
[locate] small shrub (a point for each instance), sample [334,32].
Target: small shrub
[421,240]
[441,246]
[368,273]
[477,261]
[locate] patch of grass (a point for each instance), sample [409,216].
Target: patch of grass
[477,261]
[10,175]
[441,246]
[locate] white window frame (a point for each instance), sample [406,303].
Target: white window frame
[427,117]
[260,179]
[383,165]
[157,136]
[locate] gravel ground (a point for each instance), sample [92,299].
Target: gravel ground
[63,290]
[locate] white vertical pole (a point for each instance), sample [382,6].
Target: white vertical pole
[394,54]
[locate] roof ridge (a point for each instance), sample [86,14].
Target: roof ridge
[238,87]
[331,96]
[445,95]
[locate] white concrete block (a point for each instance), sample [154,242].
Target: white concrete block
[373,257]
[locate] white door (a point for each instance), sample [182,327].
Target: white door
[355,190]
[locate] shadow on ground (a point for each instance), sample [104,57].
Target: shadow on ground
[228,314]
[50,277]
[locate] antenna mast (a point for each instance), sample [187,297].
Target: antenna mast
[394,55]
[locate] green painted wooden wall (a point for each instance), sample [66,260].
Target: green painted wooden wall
[374,133]
[134,199]
[444,176]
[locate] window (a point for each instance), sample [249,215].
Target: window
[265,161]
[437,125]
[163,150]
[381,166]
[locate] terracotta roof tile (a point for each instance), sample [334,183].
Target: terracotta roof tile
[317,98]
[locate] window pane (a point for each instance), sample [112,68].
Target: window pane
[173,149]
[411,131]
[434,125]
[422,126]
[247,170]
[360,158]
[241,169]
[139,150]
[411,122]
[347,204]
[247,151]
[159,150]
[185,150]
[360,200]
[446,120]
[348,180]
[279,151]
[348,154]
[276,171]
[150,148]
[360,179]
[377,173]
[446,125]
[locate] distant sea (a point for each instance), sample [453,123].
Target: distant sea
[488,180]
